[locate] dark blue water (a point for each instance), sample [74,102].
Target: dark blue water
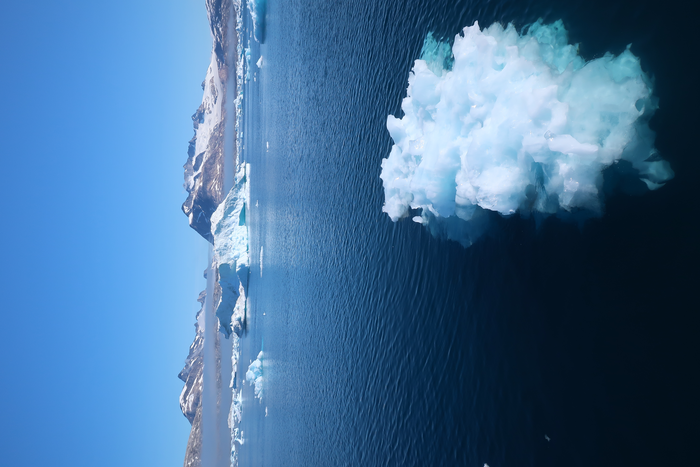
[386,346]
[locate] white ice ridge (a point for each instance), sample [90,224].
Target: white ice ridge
[248,72]
[511,122]
[230,232]
[257,10]
[255,375]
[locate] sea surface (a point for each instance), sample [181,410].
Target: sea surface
[550,345]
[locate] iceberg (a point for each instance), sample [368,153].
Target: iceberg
[510,122]
[257,9]
[230,233]
[247,64]
[255,375]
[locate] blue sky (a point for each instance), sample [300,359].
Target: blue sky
[100,271]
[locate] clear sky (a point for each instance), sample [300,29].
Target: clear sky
[100,271]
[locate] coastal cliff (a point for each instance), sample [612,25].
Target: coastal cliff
[205,185]
[204,169]
[193,376]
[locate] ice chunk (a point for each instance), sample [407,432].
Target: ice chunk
[254,375]
[515,122]
[257,9]
[247,64]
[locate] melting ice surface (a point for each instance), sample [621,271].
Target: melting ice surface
[247,64]
[510,122]
[255,375]
[230,232]
[257,10]
[231,252]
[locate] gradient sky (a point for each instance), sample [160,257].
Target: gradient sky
[100,271]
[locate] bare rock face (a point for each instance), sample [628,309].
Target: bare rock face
[191,396]
[204,180]
[193,456]
[219,12]
[191,374]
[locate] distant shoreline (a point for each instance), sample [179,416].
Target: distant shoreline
[209,176]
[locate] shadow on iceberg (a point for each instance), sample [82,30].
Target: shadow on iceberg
[618,179]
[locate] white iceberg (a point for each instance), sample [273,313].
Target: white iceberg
[255,375]
[257,9]
[510,122]
[231,252]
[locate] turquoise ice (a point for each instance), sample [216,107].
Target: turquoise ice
[510,122]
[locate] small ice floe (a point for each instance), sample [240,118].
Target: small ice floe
[547,438]
[268,144]
[255,375]
[260,62]
[261,261]
[266,411]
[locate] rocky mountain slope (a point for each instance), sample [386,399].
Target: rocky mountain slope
[204,169]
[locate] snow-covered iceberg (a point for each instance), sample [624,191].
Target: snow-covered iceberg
[510,122]
[248,72]
[257,9]
[230,233]
[255,375]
